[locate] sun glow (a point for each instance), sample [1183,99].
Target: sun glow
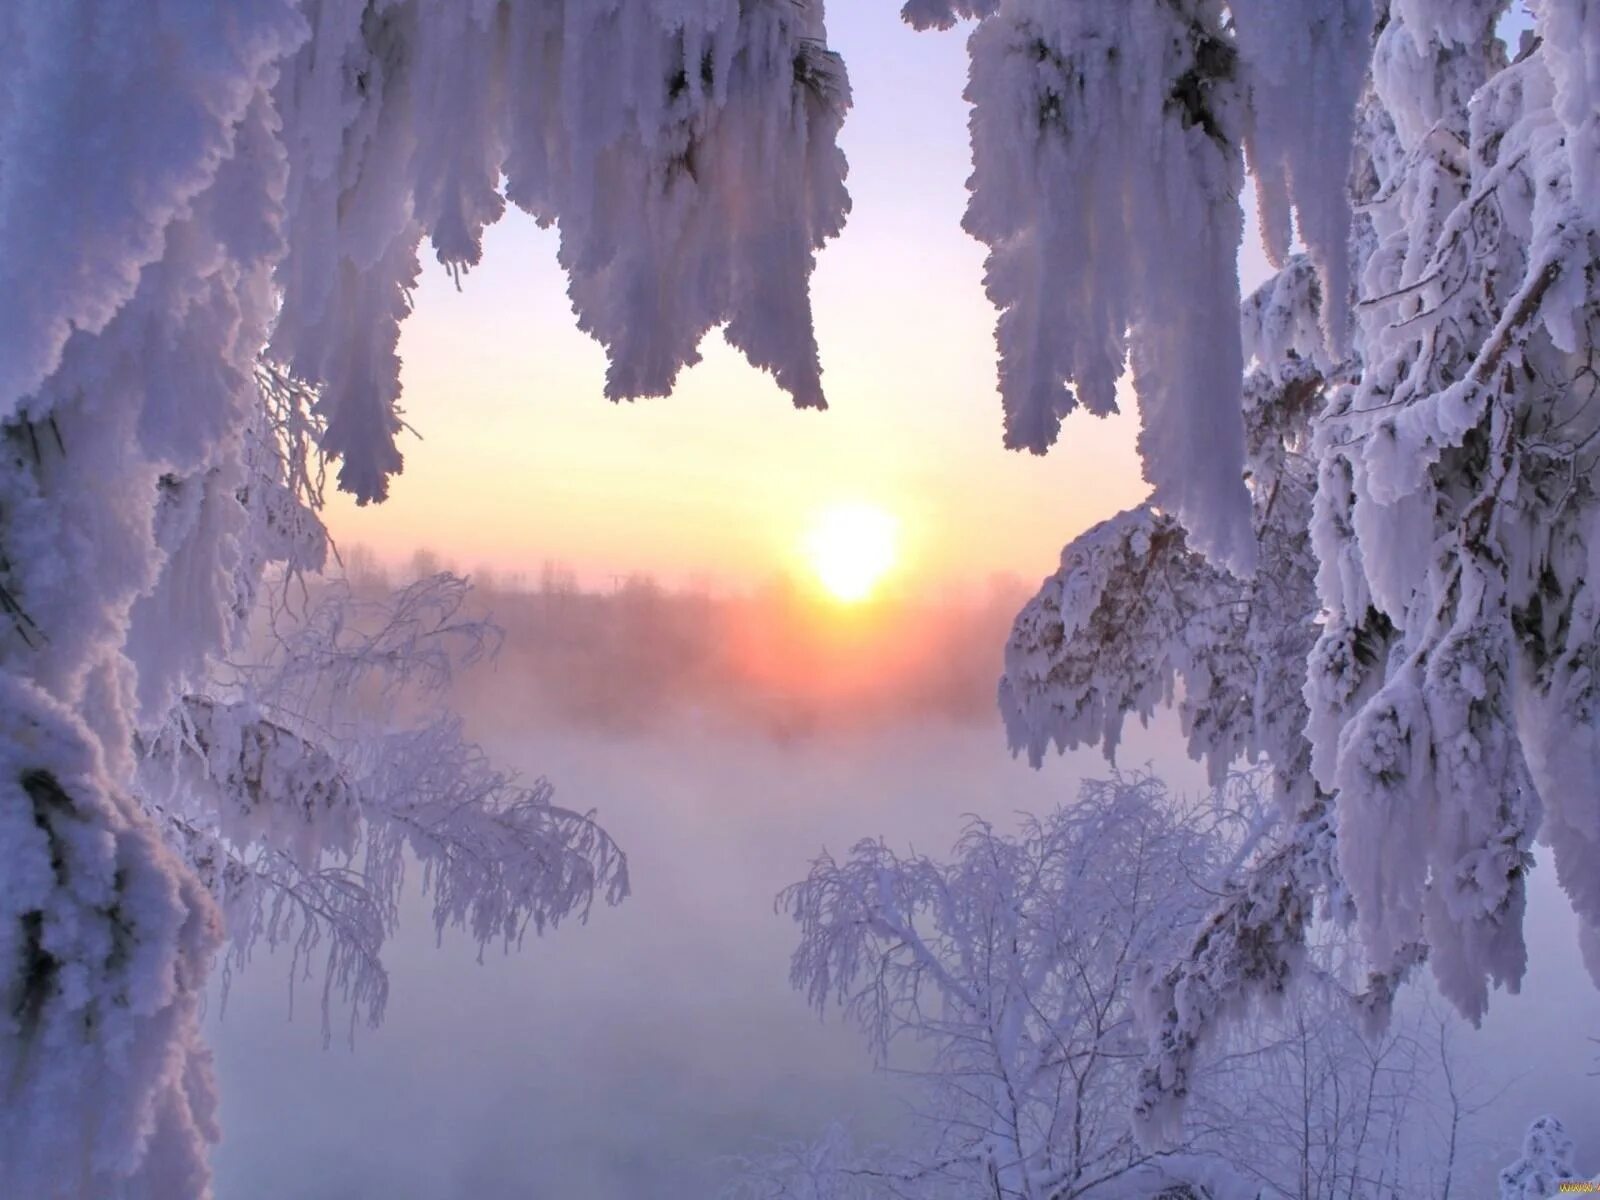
[851,548]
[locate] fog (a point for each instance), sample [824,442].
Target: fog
[723,743]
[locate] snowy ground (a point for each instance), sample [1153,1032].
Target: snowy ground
[623,1060]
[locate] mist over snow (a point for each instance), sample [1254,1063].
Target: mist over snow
[632,1057]
[724,743]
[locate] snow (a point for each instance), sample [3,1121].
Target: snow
[1571,32]
[139,310]
[182,188]
[1427,753]
[1446,519]
[1367,555]
[1306,63]
[104,941]
[132,151]
[1106,184]
[1136,617]
[401,123]
[1109,144]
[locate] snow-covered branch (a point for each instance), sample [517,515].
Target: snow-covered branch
[307,794]
[1014,963]
[1415,654]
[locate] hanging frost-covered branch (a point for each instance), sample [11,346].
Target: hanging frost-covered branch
[401,120]
[1109,143]
[187,185]
[308,792]
[1426,707]
[1096,251]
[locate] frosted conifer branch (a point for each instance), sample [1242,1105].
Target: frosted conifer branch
[1546,1163]
[1108,143]
[1438,531]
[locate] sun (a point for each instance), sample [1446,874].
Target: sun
[851,548]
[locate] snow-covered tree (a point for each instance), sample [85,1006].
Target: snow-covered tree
[1011,970]
[185,188]
[1309,1103]
[1415,646]
[307,780]
[1017,975]
[1546,1164]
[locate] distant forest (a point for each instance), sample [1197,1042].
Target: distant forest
[637,654]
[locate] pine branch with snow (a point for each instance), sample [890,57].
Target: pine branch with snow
[1426,708]
[1546,1164]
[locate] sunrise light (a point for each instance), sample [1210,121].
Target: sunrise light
[851,547]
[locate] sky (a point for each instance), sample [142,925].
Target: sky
[523,461]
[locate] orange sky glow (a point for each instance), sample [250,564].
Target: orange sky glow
[521,461]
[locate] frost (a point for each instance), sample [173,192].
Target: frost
[1106,185]
[1136,617]
[1546,1163]
[304,788]
[1307,65]
[685,153]
[210,221]
[1571,36]
[1109,142]
[172,85]
[1450,495]
[1019,969]
[130,343]
[211,218]
[1432,567]
[1015,963]
[104,942]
